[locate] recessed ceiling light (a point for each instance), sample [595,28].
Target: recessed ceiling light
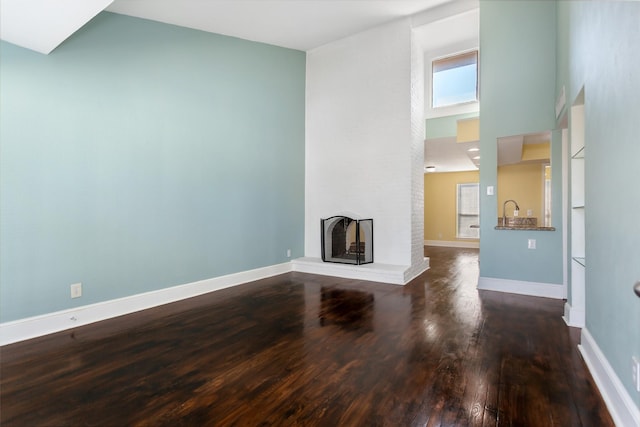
[473,149]
[430,169]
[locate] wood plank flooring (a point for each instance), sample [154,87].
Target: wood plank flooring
[307,350]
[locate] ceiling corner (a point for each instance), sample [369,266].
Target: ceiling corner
[42,25]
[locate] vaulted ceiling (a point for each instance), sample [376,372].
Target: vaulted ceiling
[42,25]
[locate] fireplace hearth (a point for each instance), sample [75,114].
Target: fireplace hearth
[347,240]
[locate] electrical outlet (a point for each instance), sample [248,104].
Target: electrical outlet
[288,253]
[76,290]
[531,244]
[635,369]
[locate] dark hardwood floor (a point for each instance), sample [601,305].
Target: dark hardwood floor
[300,349]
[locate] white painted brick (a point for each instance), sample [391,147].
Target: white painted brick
[364,139]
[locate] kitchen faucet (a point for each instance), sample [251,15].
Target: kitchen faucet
[504,211]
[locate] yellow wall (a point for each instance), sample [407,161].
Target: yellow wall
[468,130]
[440,191]
[540,151]
[524,184]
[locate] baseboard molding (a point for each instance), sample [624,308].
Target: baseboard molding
[452,244]
[535,289]
[32,327]
[375,272]
[573,317]
[416,270]
[620,404]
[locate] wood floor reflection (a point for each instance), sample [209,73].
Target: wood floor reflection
[307,350]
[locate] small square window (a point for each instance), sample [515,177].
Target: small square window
[455,80]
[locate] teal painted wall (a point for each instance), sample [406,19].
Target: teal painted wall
[599,50]
[562,47]
[517,73]
[139,156]
[447,126]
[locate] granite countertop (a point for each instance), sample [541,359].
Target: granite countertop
[521,223]
[524,227]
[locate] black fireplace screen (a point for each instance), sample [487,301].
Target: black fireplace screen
[347,240]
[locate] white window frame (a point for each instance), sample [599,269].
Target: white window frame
[453,59]
[450,50]
[473,233]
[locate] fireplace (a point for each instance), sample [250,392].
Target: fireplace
[347,240]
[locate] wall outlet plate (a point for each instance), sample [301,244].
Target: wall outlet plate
[76,290]
[531,244]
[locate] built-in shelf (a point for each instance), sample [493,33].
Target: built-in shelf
[578,154]
[580,260]
[576,302]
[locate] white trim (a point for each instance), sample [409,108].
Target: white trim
[565,210]
[32,327]
[623,410]
[536,289]
[453,244]
[573,317]
[416,270]
[384,273]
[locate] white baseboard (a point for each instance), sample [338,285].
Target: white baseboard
[452,244]
[573,317]
[416,270]
[32,327]
[623,410]
[375,272]
[535,289]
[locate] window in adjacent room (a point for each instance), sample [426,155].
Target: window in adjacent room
[468,211]
[455,79]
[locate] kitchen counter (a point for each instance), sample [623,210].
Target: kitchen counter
[524,227]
